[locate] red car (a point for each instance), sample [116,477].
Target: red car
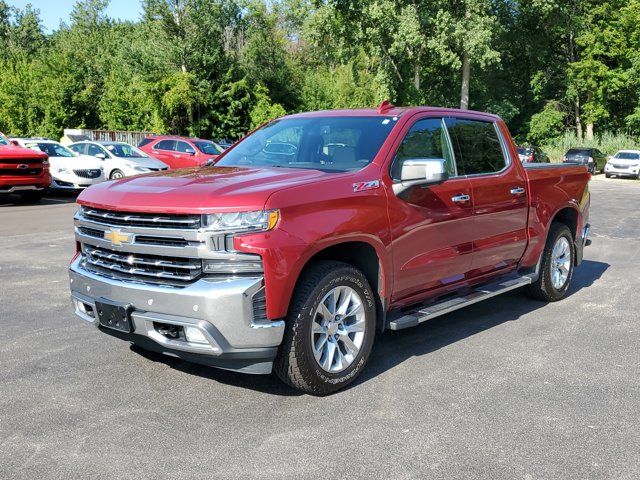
[319,229]
[181,152]
[23,171]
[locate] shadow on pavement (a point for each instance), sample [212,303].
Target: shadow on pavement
[393,348]
[50,198]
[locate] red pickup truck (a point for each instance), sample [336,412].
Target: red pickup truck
[319,229]
[23,171]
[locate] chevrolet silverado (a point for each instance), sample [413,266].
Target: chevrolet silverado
[320,229]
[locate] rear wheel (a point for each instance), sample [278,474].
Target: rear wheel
[557,264]
[608,175]
[330,329]
[116,174]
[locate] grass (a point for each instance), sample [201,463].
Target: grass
[608,143]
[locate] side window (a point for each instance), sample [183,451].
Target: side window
[165,145]
[184,147]
[476,145]
[78,148]
[94,149]
[427,139]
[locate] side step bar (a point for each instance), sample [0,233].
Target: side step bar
[478,294]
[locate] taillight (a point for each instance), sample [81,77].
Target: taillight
[531,157]
[590,159]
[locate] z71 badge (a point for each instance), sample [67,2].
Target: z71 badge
[363,186]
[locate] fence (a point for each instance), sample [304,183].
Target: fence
[132,138]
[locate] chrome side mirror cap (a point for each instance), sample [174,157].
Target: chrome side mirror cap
[421,172]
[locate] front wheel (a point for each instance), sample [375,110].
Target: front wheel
[556,268]
[116,174]
[330,329]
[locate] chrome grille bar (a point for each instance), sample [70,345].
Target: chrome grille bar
[160,220]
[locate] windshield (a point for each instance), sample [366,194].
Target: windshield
[124,150]
[3,141]
[51,149]
[627,156]
[331,144]
[208,148]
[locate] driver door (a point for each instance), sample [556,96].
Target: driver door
[432,227]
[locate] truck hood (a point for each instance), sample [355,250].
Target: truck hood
[197,190]
[11,152]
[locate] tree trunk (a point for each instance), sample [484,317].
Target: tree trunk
[578,119]
[416,77]
[466,72]
[589,131]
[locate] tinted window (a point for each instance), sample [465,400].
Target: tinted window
[332,144]
[95,150]
[476,146]
[627,156]
[427,139]
[144,142]
[579,151]
[184,147]
[80,148]
[51,149]
[208,148]
[165,145]
[124,150]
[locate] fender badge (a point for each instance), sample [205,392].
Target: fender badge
[364,186]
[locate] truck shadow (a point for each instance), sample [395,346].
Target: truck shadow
[393,348]
[50,198]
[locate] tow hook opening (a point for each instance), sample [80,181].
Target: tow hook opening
[170,331]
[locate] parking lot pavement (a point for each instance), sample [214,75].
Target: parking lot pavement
[509,388]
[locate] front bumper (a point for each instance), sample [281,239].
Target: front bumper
[73,183]
[621,172]
[222,310]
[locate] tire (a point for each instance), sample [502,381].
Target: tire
[295,363]
[32,196]
[116,174]
[607,175]
[544,288]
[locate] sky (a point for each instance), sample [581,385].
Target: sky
[52,12]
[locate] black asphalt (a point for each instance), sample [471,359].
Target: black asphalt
[509,388]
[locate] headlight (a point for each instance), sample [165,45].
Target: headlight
[259,221]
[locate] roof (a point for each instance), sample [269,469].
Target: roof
[389,111]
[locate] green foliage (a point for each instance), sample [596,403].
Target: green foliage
[217,68]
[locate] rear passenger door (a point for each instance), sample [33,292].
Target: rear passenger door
[498,191]
[164,150]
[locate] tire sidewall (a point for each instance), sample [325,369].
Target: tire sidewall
[342,277]
[551,289]
[116,175]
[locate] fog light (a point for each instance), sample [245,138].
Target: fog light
[194,335]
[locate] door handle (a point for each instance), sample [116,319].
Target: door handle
[517,191]
[460,198]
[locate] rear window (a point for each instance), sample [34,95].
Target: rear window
[145,141]
[579,151]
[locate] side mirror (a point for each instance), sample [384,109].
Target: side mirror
[421,172]
[101,156]
[190,152]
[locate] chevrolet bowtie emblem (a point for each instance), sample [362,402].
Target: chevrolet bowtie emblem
[117,238]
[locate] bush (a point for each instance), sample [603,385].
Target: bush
[547,124]
[609,143]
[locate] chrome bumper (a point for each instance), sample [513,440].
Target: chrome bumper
[222,310]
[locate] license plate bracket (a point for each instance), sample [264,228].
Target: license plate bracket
[113,315]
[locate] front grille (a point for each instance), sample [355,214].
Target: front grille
[166,241]
[88,173]
[142,266]
[150,220]
[620,167]
[19,161]
[20,172]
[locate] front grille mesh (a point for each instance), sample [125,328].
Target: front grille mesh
[20,172]
[259,307]
[143,266]
[88,173]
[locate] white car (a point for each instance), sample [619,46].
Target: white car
[69,171]
[119,159]
[625,163]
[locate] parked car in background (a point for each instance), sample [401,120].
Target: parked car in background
[532,155]
[119,159]
[181,152]
[625,163]
[69,170]
[224,143]
[593,158]
[22,171]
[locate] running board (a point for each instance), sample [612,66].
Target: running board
[478,294]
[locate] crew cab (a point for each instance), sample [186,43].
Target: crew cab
[181,152]
[291,258]
[23,171]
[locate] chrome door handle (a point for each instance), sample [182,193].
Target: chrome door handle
[460,198]
[517,191]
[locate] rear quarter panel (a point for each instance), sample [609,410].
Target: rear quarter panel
[552,188]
